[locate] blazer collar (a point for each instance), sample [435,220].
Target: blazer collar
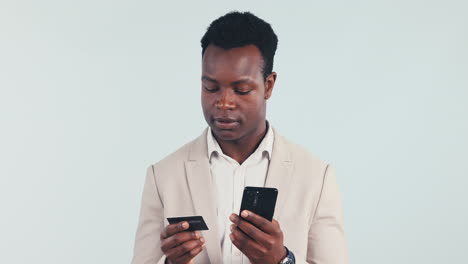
[203,192]
[280,171]
[199,148]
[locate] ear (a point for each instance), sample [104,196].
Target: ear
[269,84]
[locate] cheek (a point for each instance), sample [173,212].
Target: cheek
[205,100]
[259,103]
[256,109]
[206,109]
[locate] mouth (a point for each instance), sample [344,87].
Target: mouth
[226,123]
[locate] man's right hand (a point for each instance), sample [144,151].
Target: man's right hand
[180,246]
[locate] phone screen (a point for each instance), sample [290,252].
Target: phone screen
[259,200]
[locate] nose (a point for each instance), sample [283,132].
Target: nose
[225,100]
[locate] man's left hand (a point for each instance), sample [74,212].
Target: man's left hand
[260,240]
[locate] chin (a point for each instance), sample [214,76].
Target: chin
[227,135]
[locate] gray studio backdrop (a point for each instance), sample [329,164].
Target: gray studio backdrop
[92,92]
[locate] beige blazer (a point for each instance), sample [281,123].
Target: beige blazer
[308,207]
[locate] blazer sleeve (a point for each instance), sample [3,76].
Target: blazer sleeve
[326,239]
[147,249]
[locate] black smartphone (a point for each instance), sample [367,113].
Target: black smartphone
[259,200]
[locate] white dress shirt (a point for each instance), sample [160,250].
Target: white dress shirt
[230,178]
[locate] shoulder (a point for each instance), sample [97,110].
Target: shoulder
[177,158]
[298,153]
[179,155]
[308,169]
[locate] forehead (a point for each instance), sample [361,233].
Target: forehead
[241,61]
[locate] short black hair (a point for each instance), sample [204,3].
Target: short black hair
[237,29]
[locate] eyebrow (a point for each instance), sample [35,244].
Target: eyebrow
[206,78]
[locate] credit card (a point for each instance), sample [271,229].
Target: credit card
[195,222]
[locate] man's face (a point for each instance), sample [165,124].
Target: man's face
[234,92]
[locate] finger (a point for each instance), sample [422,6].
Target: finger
[186,258]
[184,248]
[247,245]
[276,224]
[174,228]
[178,239]
[256,234]
[260,222]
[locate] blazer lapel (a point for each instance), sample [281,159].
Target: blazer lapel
[279,172]
[202,189]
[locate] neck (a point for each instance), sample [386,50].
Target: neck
[242,148]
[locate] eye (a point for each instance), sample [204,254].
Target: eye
[211,90]
[242,92]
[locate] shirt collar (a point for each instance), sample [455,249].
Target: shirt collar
[265,146]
